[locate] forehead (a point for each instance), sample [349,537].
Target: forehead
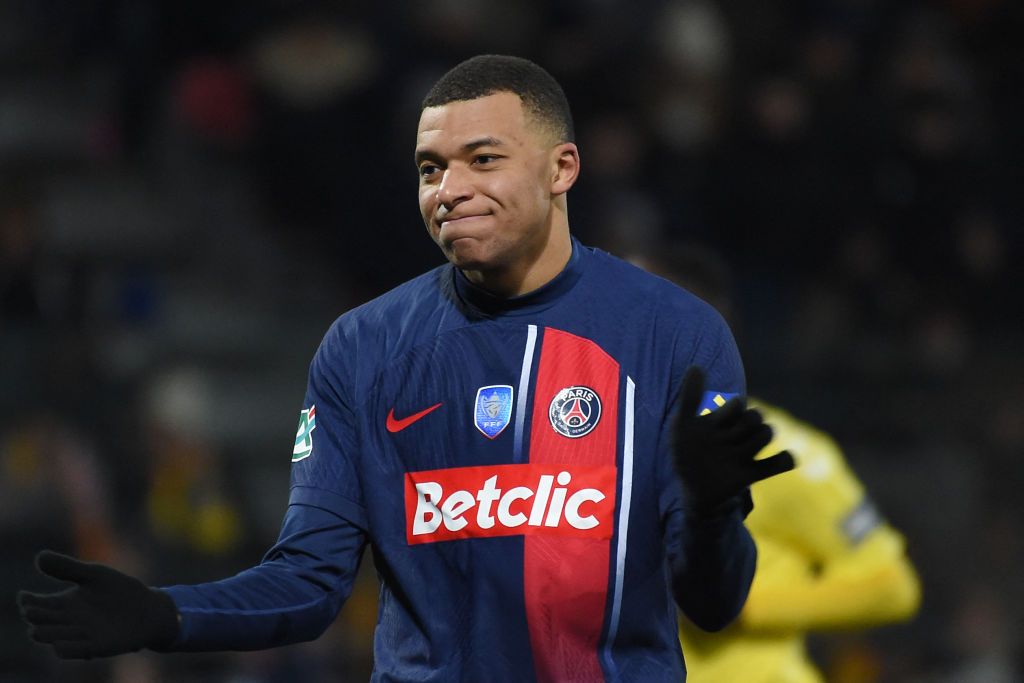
[453,124]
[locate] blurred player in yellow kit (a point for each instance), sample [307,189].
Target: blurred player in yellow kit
[827,560]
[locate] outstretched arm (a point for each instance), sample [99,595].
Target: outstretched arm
[292,595]
[104,613]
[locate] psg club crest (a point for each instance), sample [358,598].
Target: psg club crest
[493,409]
[575,411]
[304,436]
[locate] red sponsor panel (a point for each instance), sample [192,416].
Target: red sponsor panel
[565,581]
[508,500]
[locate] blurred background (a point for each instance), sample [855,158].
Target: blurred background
[191,192]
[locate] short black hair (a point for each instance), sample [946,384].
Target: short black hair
[485,75]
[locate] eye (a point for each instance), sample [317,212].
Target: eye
[427,170]
[485,158]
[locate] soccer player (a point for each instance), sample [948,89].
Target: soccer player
[516,434]
[827,560]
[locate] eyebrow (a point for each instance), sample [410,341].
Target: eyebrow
[488,141]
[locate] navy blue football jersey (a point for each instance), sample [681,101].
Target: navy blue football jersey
[507,460]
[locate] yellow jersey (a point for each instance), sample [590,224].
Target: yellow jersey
[826,560]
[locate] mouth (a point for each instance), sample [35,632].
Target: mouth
[451,230]
[460,221]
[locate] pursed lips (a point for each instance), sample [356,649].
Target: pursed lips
[460,220]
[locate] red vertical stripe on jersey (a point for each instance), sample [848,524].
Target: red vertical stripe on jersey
[565,580]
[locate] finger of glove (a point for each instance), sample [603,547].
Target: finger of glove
[769,467]
[693,390]
[75,649]
[746,424]
[750,419]
[750,444]
[25,599]
[44,615]
[52,601]
[52,633]
[67,568]
[727,416]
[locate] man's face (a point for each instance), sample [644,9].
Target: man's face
[486,182]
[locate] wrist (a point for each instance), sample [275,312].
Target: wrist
[163,621]
[718,509]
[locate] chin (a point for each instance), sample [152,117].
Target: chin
[466,262]
[466,253]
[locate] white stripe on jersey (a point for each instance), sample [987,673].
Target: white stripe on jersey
[524,385]
[620,550]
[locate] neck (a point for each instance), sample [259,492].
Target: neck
[532,273]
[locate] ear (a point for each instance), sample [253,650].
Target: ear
[565,159]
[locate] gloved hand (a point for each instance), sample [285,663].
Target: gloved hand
[714,453]
[106,613]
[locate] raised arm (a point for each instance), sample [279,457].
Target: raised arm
[712,556]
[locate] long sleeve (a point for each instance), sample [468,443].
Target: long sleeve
[711,558]
[712,566]
[293,595]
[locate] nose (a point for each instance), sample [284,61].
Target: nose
[455,187]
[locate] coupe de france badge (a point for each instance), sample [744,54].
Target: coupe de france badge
[575,411]
[493,409]
[713,400]
[304,436]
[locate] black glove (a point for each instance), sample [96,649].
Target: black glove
[106,613]
[714,453]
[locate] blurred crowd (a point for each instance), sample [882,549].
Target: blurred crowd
[191,192]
